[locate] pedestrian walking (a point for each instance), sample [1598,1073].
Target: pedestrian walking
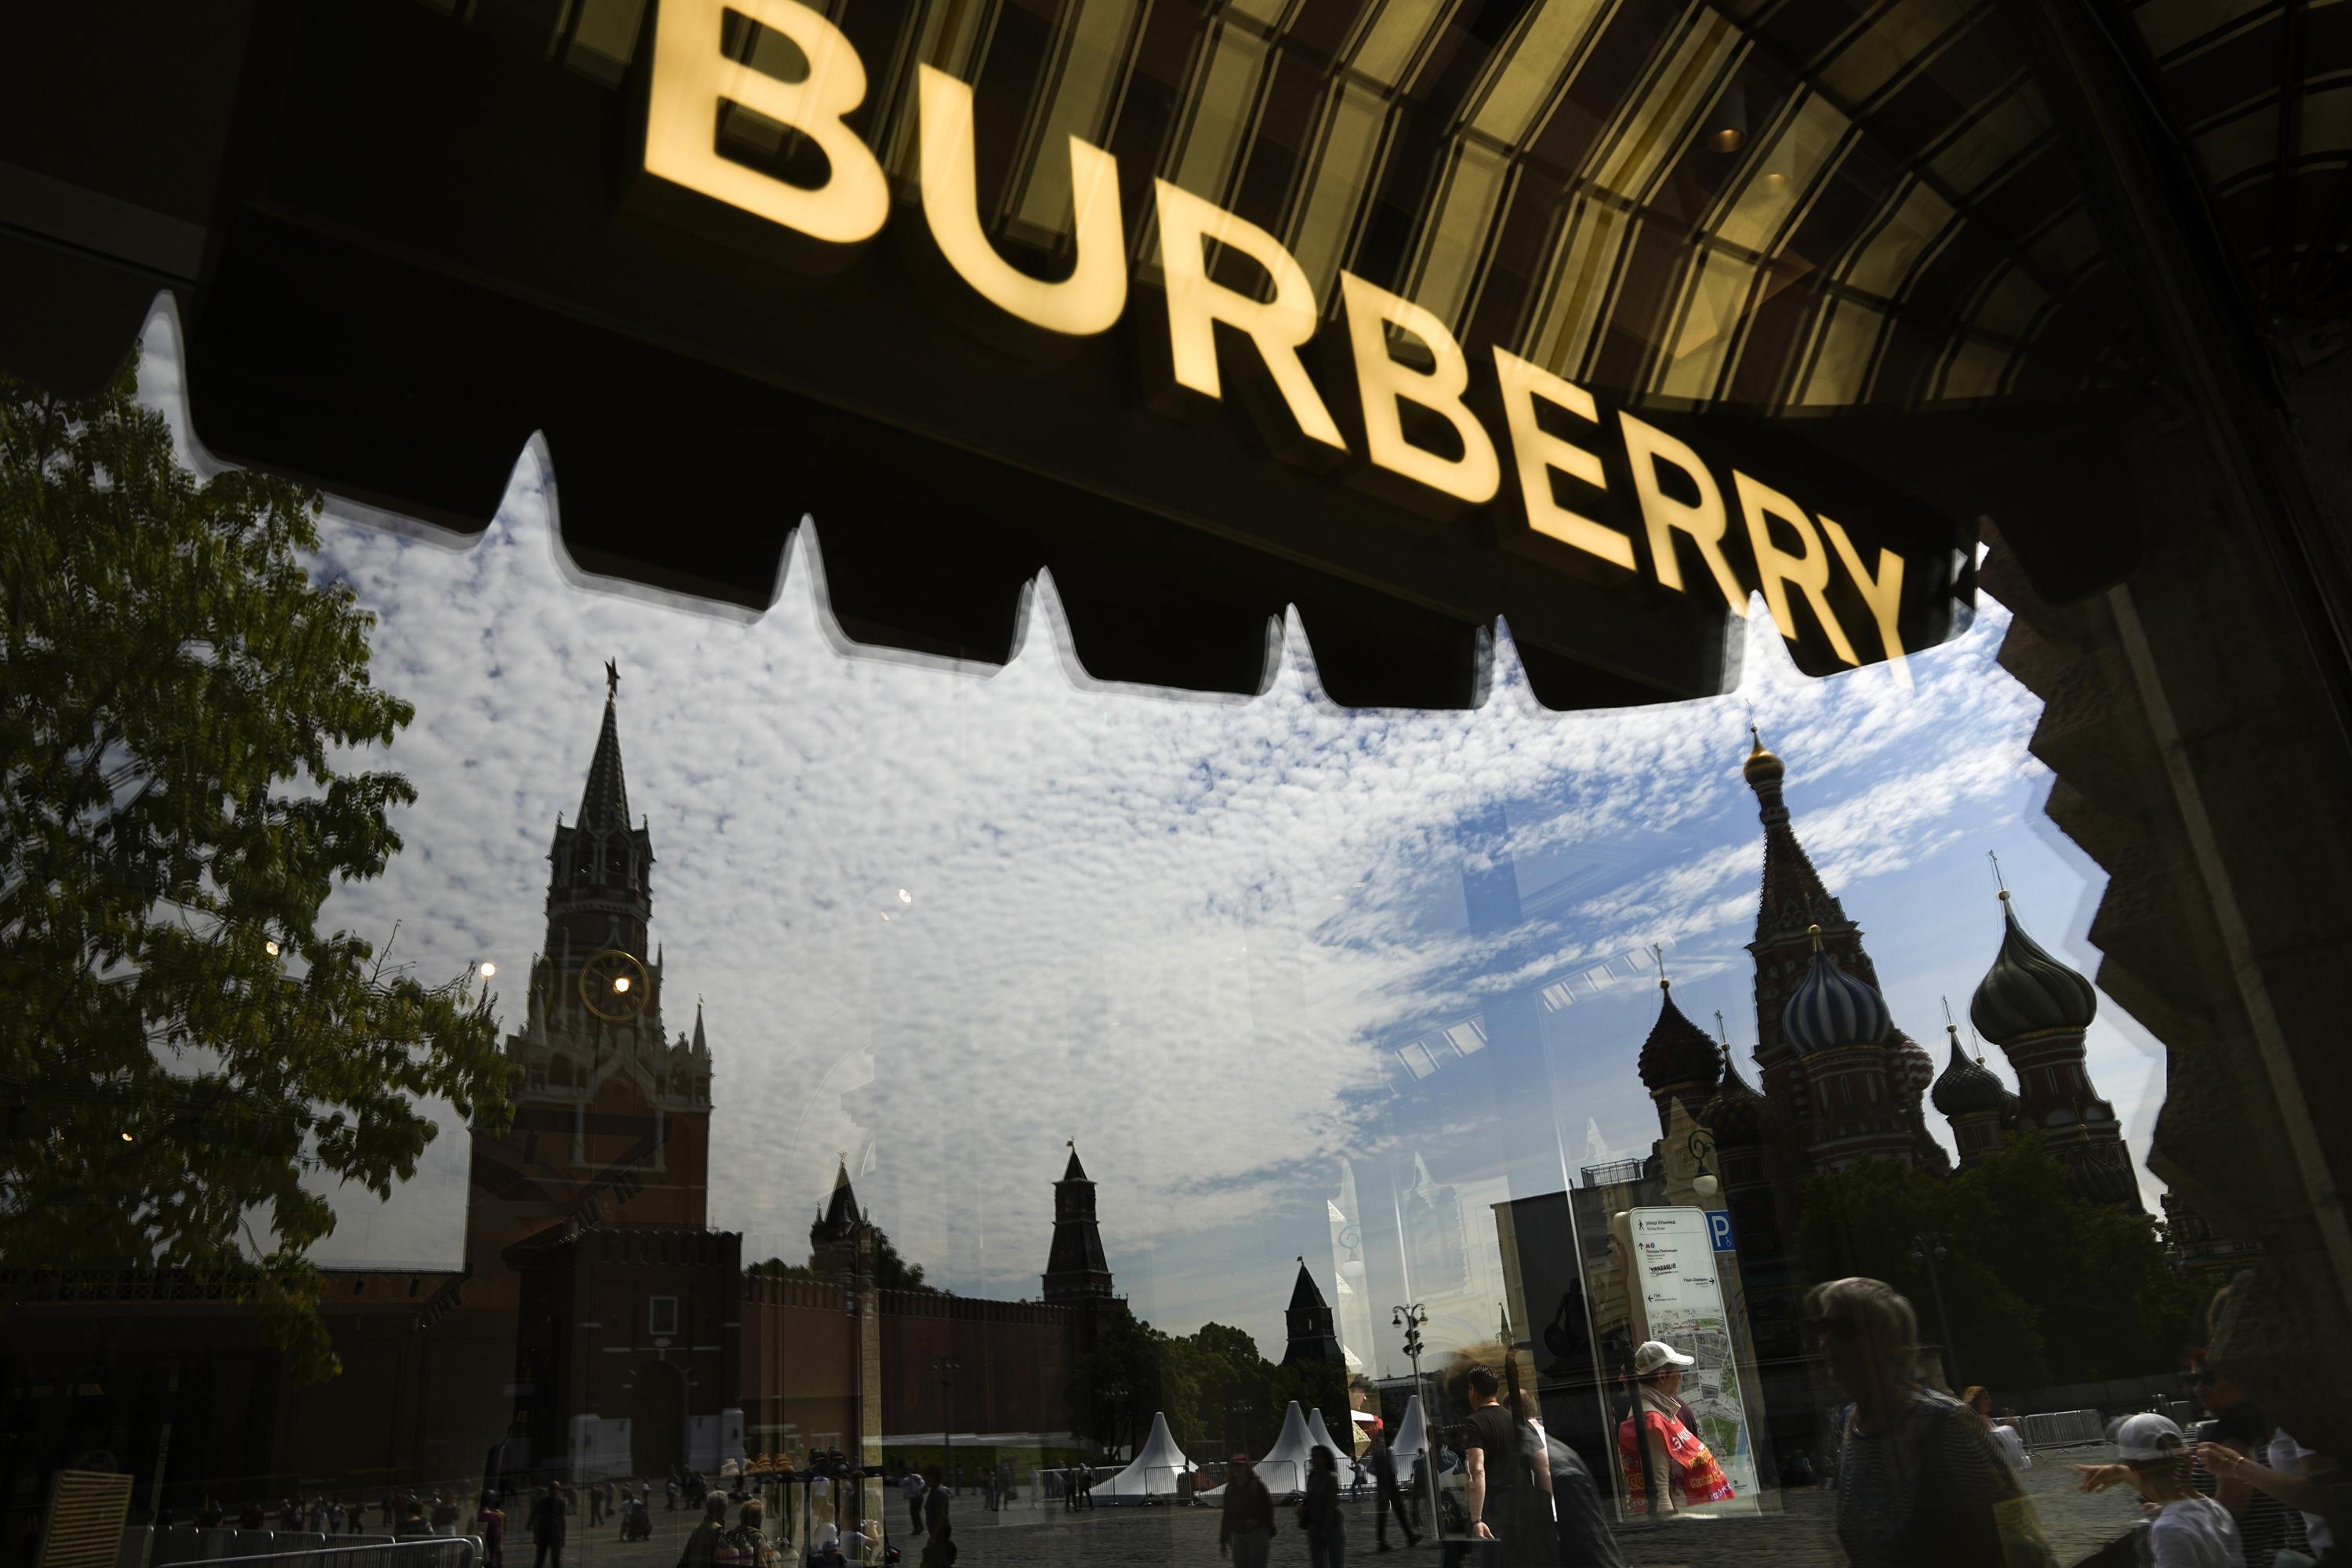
[1319,1513]
[910,1486]
[1506,1484]
[546,1527]
[1387,1496]
[1920,1482]
[701,1549]
[1579,1519]
[747,1545]
[595,1505]
[1245,1529]
[939,1528]
[490,1524]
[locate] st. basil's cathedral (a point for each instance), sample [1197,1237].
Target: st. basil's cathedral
[1841,1081]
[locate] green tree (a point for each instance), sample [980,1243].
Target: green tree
[1122,1374]
[2040,1286]
[891,1272]
[182,1040]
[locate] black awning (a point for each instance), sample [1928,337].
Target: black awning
[1861,272]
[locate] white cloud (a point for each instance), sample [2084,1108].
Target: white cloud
[1186,931]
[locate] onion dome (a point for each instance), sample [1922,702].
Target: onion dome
[1762,767]
[1910,1066]
[1677,1051]
[1831,1009]
[1968,1088]
[2026,991]
[1736,1112]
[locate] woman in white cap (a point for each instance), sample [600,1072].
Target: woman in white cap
[2191,1529]
[1666,1467]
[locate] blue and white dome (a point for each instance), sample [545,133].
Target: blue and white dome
[1831,1009]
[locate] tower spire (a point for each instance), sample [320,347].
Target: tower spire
[1076,1269]
[605,800]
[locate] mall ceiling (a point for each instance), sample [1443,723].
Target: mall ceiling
[1851,230]
[2258,97]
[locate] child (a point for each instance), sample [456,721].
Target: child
[2189,1531]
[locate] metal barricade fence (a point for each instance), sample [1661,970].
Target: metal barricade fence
[308,1549]
[2056,1428]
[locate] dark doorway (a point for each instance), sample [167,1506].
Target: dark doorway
[657,1420]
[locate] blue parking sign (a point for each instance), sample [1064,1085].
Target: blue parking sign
[1718,1229]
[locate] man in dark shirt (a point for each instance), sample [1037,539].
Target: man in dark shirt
[547,1528]
[1388,1495]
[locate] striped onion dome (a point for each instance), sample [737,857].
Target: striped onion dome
[1678,1051]
[1736,1112]
[1831,1009]
[1914,1069]
[1968,1088]
[2026,991]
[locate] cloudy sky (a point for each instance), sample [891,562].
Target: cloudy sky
[1209,940]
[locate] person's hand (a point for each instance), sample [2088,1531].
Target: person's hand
[2225,1462]
[1482,1531]
[2098,1478]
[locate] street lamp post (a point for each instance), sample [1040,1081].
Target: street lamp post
[1410,1320]
[1238,1413]
[946,1367]
[1928,1249]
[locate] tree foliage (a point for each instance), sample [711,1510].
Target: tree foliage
[184,1039]
[1217,1392]
[2040,1287]
[891,1272]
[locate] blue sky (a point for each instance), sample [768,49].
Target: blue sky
[1191,933]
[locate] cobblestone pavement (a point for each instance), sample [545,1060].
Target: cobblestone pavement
[1022,1537]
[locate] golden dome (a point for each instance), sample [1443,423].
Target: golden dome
[1762,767]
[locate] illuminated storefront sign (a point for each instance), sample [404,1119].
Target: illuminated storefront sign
[1435,428]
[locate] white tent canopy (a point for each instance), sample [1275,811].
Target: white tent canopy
[1283,1468]
[1342,1454]
[1411,1438]
[1154,1472]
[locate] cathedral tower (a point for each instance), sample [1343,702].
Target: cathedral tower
[2037,1011]
[1792,902]
[1837,1027]
[612,1118]
[1075,1269]
[1314,1335]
